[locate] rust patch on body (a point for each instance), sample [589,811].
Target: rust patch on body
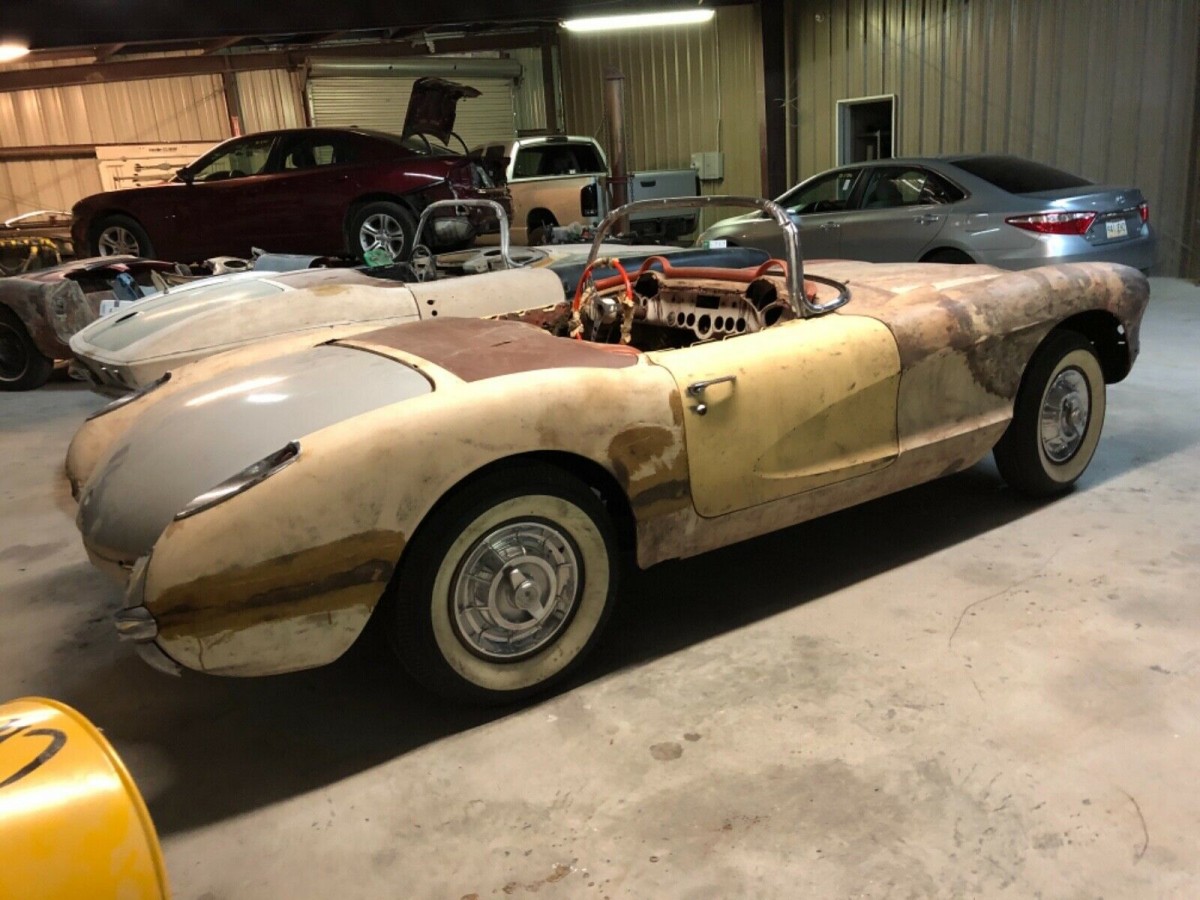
[40,304]
[997,323]
[554,319]
[315,580]
[475,349]
[676,403]
[650,464]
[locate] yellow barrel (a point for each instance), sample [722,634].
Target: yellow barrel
[72,823]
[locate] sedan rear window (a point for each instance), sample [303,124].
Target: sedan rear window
[1019,176]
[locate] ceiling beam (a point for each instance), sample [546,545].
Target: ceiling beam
[46,151]
[136,70]
[211,47]
[104,53]
[314,39]
[43,25]
[176,66]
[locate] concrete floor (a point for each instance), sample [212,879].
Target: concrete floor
[947,693]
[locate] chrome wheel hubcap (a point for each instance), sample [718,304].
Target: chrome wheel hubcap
[382,232]
[1066,409]
[515,590]
[117,241]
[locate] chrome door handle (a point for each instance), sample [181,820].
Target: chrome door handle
[829,226]
[927,220]
[697,388]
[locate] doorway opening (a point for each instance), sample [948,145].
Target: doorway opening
[866,129]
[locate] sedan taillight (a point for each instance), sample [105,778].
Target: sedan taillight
[1055,222]
[1144,212]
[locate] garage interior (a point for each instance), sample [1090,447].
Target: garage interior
[948,692]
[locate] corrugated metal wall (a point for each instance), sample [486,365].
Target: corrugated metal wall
[380,102]
[687,90]
[1105,88]
[46,184]
[160,110]
[529,97]
[270,99]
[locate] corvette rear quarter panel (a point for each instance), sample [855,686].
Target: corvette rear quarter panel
[964,343]
[315,545]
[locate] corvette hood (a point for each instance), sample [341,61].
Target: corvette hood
[244,308]
[202,435]
[478,349]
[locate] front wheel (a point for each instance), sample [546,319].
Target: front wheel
[1057,418]
[505,588]
[120,236]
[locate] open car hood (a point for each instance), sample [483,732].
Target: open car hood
[433,107]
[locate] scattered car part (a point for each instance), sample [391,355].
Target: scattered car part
[35,240]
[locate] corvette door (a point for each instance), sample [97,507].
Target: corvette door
[789,409]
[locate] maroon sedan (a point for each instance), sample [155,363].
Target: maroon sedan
[324,191]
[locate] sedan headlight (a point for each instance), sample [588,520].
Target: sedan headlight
[136,395]
[242,481]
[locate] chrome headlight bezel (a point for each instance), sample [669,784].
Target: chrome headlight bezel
[253,474]
[129,398]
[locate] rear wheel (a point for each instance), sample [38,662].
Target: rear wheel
[538,225]
[1057,418]
[22,365]
[120,236]
[383,226]
[505,588]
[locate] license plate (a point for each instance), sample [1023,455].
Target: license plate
[1115,228]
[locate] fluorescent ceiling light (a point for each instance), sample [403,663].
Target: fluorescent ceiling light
[9,52]
[640,20]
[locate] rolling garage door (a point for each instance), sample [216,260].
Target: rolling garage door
[380,103]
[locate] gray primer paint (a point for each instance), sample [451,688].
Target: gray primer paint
[195,440]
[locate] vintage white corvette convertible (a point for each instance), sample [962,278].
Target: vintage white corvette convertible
[467,483]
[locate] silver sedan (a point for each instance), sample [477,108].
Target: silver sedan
[1000,210]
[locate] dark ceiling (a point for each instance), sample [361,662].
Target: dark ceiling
[53,24]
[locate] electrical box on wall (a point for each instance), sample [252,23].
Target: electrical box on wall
[709,166]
